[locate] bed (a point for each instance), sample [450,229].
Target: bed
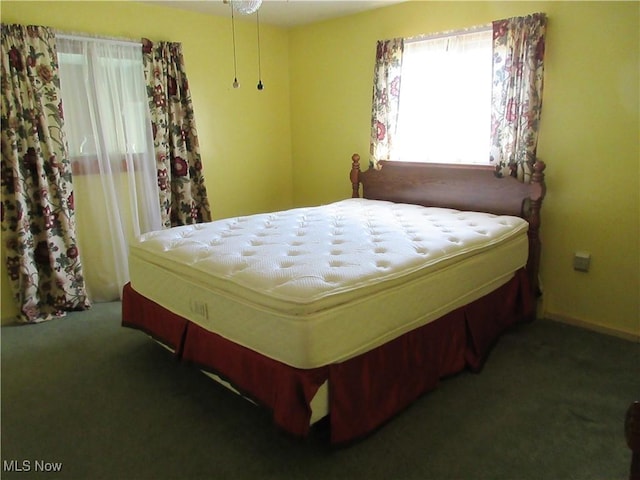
[348,311]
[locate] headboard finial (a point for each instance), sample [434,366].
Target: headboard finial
[355,175]
[537,179]
[539,166]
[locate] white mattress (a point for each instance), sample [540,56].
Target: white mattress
[318,285]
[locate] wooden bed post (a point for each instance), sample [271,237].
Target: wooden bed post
[538,191]
[354,176]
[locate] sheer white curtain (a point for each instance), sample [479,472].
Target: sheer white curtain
[445,99]
[111,146]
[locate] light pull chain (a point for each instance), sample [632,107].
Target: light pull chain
[235,84]
[260,84]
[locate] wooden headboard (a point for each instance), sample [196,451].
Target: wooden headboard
[463,187]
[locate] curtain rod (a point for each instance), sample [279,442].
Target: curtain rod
[449,33]
[114,41]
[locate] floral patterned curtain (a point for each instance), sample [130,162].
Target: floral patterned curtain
[38,221]
[386,97]
[183,197]
[518,52]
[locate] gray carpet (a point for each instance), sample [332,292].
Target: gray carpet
[103,401]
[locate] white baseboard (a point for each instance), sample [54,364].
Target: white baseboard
[615,332]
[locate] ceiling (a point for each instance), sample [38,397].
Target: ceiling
[283,13]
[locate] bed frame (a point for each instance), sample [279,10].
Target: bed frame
[368,390]
[462,187]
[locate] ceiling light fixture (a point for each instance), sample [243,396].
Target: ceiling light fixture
[245,7]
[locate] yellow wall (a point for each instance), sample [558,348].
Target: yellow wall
[244,134]
[588,138]
[294,144]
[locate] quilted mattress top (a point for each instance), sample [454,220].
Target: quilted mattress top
[319,255]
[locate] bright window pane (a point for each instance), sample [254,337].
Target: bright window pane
[445,100]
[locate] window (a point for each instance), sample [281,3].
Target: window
[472,97]
[109,134]
[104,96]
[445,99]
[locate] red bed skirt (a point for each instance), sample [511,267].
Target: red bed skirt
[364,391]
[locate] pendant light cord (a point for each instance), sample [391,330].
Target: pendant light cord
[260,84]
[235,66]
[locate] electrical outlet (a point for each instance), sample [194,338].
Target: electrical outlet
[581,261]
